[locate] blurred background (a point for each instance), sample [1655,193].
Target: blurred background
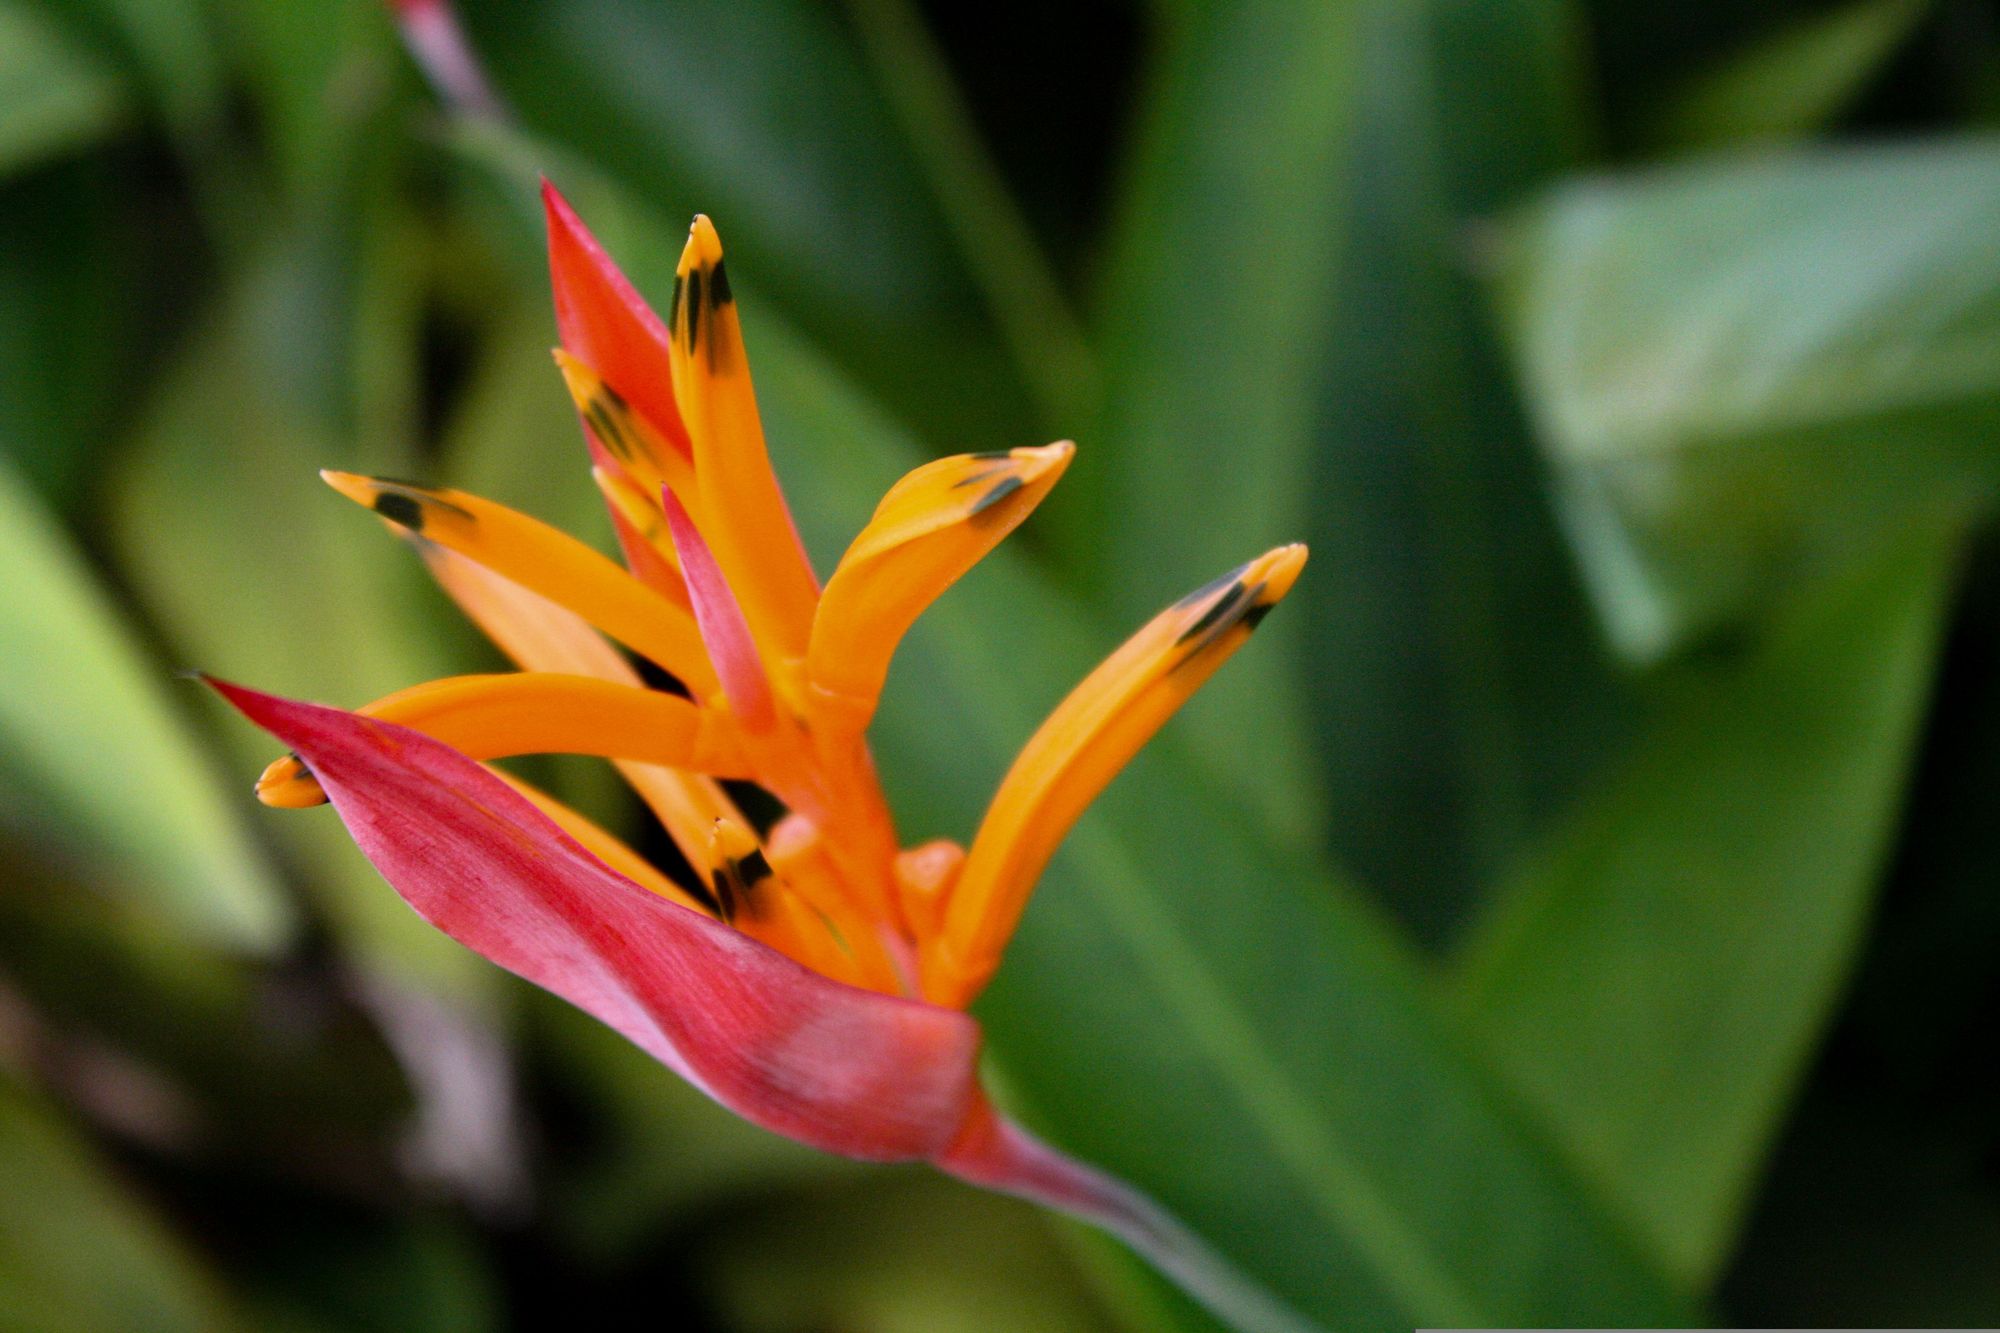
[1578,906]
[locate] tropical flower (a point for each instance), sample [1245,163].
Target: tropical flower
[812,977]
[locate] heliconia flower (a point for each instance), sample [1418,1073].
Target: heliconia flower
[812,976]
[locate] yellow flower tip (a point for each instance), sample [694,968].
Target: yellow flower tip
[738,871]
[947,490]
[581,379]
[603,406]
[702,318]
[349,484]
[286,785]
[1213,621]
[402,503]
[622,430]
[704,246]
[1038,461]
[1277,569]
[1021,479]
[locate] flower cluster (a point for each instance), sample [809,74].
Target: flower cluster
[811,976]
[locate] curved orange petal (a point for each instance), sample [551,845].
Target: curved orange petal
[541,636]
[1091,735]
[547,712]
[932,526]
[545,561]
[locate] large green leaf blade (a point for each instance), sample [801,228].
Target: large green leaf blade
[1654,981]
[762,114]
[1442,622]
[1213,317]
[256,572]
[1195,1009]
[96,759]
[1790,83]
[71,334]
[54,98]
[169,47]
[1740,371]
[77,1253]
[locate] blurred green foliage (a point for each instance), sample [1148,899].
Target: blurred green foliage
[1577,908]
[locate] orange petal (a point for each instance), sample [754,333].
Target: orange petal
[541,636]
[751,895]
[742,512]
[932,526]
[925,877]
[642,534]
[798,852]
[543,712]
[1091,735]
[546,561]
[636,448]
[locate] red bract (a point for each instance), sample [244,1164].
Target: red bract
[843,1069]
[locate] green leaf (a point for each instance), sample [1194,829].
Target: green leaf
[1441,622]
[98,762]
[258,573]
[70,328]
[1656,978]
[169,52]
[1791,83]
[170,47]
[761,114]
[77,1252]
[997,245]
[1741,371]
[1213,320]
[1186,1004]
[317,69]
[54,97]
[897,1253]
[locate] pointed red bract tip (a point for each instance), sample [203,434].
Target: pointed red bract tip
[839,1068]
[606,324]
